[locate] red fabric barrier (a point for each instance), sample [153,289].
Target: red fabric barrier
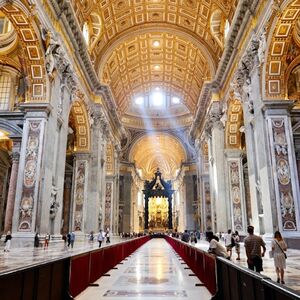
[200,262]
[88,267]
[80,274]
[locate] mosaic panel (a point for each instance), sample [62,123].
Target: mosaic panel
[29,191]
[108,204]
[79,193]
[236,195]
[283,178]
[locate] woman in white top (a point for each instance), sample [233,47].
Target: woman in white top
[278,248]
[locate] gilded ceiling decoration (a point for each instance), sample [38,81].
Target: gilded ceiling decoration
[136,45]
[82,128]
[33,57]
[276,85]
[234,122]
[158,151]
[143,63]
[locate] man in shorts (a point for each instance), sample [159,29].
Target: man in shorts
[253,245]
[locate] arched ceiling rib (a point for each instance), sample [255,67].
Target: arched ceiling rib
[152,152]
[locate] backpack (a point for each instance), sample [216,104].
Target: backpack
[232,242]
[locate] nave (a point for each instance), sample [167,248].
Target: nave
[154,271]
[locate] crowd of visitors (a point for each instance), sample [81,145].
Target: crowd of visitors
[223,244]
[255,247]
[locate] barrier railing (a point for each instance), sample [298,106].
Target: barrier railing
[60,278]
[228,281]
[44,281]
[88,267]
[235,283]
[201,263]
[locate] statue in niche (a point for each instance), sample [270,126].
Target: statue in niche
[54,205]
[51,44]
[262,47]
[71,139]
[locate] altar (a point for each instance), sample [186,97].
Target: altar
[158,204]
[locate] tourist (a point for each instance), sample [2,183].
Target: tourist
[107,236]
[37,240]
[215,246]
[279,247]
[91,237]
[100,237]
[72,239]
[228,242]
[7,241]
[47,238]
[253,245]
[193,238]
[185,236]
[236,238]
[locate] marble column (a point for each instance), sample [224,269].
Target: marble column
[11,197]
[236,190]
[67,203]
[81,172]
[220,207]
[30,171]
[284,166]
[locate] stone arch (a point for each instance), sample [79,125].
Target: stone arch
[235,119]
[280,41]
[13,130]
[81,120]
[34,64]
[152,151]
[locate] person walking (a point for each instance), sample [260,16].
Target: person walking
[47,238]
[279,247]
[100,237]
[228,242]
[37,240]
[185,236]
[91,237]
[107,236]
[7,241]
[253,244]
[236,238]
[69,238]
[72,239]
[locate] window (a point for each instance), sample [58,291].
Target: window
[5,91]
[85,32]
[5,25]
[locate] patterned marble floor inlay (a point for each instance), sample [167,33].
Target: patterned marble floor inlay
[116,293]
[153,272]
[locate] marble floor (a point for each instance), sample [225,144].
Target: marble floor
[154,271]
[18,258]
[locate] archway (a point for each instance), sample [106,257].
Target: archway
[78,141]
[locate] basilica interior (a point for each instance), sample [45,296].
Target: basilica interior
[149,116]
[96,97]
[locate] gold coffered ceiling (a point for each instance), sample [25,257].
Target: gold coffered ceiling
[152,152]
[137,67]
[190,39]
